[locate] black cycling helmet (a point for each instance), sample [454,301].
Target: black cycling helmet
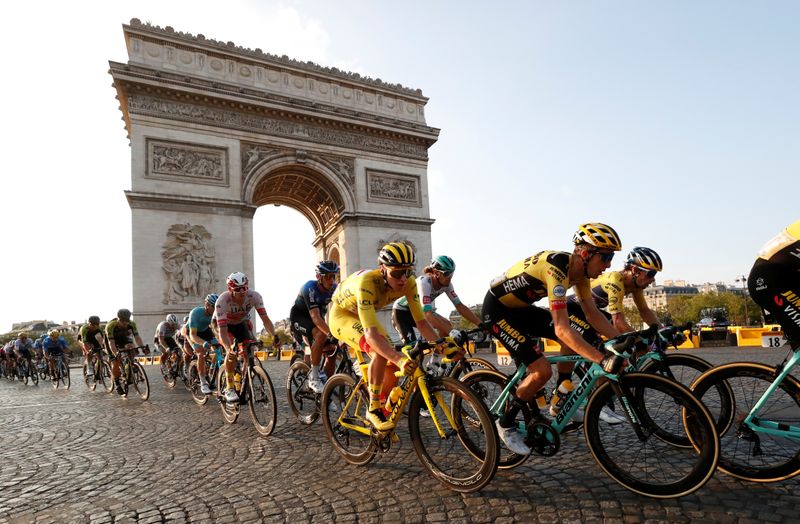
[327,267]
[645,258]
[94,319]
[124,314]
[396,254]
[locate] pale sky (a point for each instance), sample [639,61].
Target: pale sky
[678,123]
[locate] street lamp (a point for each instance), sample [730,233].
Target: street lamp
[743,280]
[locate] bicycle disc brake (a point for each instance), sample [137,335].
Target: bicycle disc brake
[543,439]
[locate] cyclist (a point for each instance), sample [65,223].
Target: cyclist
[774,281]
[121,332]
[54,346]
[232,312]
[201,336]
[91,341]
[607,293]
[23,347]
[436,279]
[307,319]
[164,337]
[511,316]
[353,319]
[11,358]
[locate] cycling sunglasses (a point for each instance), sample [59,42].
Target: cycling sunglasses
[650,273]
[400,273]
[605,257]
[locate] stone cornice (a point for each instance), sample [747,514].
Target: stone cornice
[384,221]
[231,49]
[259,120]
[131,76]
[167,202]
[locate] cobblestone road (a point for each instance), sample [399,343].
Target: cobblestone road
[79,456]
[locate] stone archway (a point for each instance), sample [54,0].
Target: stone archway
[217,130]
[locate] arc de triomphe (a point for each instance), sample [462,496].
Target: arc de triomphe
[217,130]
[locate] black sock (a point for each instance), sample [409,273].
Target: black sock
[507,420]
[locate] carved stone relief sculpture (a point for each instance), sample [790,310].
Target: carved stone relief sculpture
[189,264]
[171,161]
[392,188]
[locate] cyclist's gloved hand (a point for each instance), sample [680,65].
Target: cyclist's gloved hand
[612,363]
[459,337]
[448,348]
[407,366]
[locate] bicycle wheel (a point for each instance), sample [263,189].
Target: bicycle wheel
[345,403]
[303,402]
[140,382]
[230,411]
[487,386]
[685,369]
[33,374]
[105,376]
[166,371]
[198,396]
[263,409]
[471,364]
[730,392]
[64,371]
[451,459]
[645,463]
[22,372]
[89,379]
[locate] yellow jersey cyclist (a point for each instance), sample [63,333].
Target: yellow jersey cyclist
[232,311]
[91,342]
[436,280]
[200,335]
[121,332]
[607,292]
[307,320]
[774,281]
[511,316]
[353,319]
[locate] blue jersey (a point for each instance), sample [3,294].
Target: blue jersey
[38,343]
[311,296]
[54,344]
[25,346]
[199,320]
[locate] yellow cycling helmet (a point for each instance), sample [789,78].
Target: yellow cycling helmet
[645,258]
[396,254]
[598,235]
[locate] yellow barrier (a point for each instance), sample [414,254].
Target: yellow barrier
[149,360]
[286,354]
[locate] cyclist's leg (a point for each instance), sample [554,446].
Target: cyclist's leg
[776,288]
[403,323]
[347,328]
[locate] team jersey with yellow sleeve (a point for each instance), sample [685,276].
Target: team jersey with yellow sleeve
[364,292]
[784,248]
[544,274]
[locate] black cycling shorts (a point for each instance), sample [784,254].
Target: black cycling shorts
[519,329]
[578,322]
[302,326]
[240,332]
[776,288]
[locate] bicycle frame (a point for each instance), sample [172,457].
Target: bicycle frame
[760,425]
[407,386]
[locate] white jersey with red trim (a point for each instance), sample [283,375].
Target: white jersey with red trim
[226,311]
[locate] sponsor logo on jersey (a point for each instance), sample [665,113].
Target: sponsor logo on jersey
[760,284]
[559,291]
[513,284]
[791,297]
